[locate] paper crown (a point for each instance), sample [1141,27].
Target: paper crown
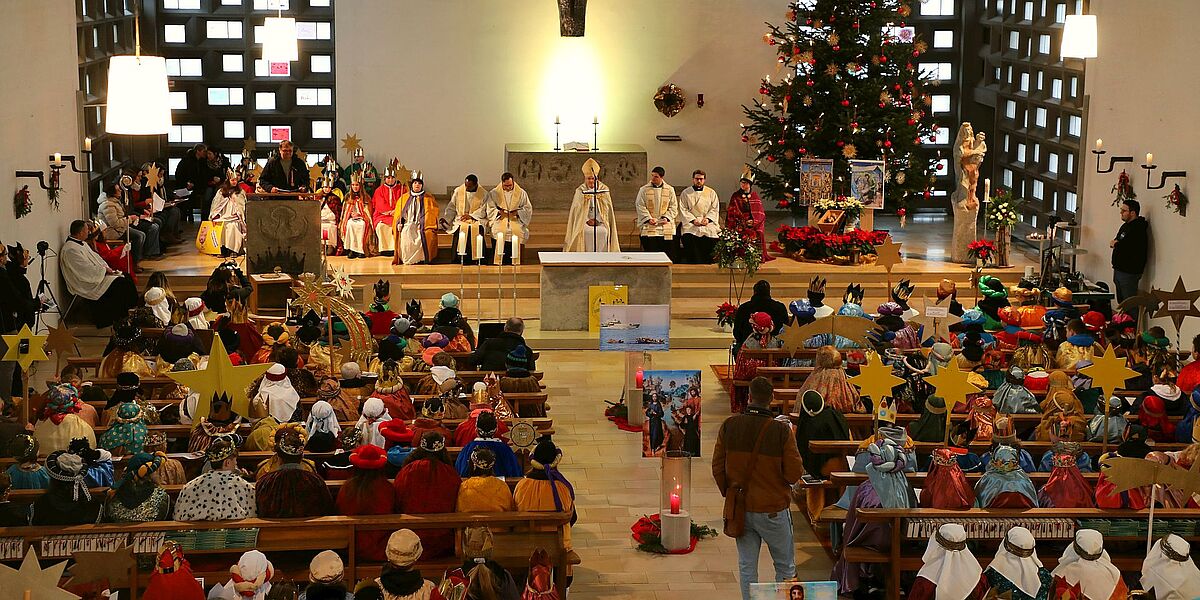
[358,151]
[393,167]
[817,285]
[886,413]
[854,294]
[416,175]
[903,290]
[747,174]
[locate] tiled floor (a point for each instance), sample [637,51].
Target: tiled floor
[615,486]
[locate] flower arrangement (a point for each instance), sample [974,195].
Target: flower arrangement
[22,205]
[981,249]
[725,313]
[1177,201]
[1004,210]
[851,206]
[812,244]
[736,249]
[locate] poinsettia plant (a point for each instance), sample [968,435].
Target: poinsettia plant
[1177,201]
[813,244]
[725,313]
[738,249]
[981,249]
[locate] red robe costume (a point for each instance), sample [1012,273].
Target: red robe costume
[1066,487]
[112,256]
[467,431]
[172,578]
[923,589]
[945,486]
[429,485]
[379,498]
[384,203]
[748,216]
[358,207]
[423,424]
[397,402]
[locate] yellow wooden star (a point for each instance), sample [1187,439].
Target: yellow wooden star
[41,584]
[249,145]
[153,176]
[220,377]
[351,142]
[887,254]
[952,384]
[61,340]
[315,173]
[875,379]
[852,328]
[1178,303]
[25,348]
[258,169]
[1108,372]
[793,339]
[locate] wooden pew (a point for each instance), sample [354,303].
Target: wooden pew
[178,431]
[523,403]
[1035,448]
[917,480]
[410,379]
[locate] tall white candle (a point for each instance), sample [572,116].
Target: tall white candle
[499,245]
[516,249]
[87,144]
[462,242]
[1149,158]
[1099,144]
[478,254]
[987,189]
[58,158]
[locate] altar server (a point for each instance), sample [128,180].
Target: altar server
[657,207]
[591,224]
[417,225]
[383,208]
[508,211]
[699,215]
[460,216]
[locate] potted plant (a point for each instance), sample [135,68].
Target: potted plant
[982,250]
[737,251]
[725,314]
[1003,211]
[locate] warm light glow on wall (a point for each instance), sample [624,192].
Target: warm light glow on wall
[279,42]
[573,88]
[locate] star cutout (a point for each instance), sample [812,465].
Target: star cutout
[1171,303]
[316,173]
[249,145]
[856,329]
[343,283]
[25,348]
[936,322]
[1108,372]
[875,379]
[302,155]
[793,339]
[953,385]
[887,254]
[258,169]
[312,294]
[42,584]
[153,176]
[351,142]
[112,567]
[61,340]
[220,377]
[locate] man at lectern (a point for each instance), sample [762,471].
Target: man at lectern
[284,174]
[591,225]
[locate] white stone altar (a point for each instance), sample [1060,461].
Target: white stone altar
[566,277]
[550,177]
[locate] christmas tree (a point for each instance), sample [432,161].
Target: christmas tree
[846,86]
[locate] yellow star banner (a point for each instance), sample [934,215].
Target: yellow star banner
[953,385]
[887,254]
[1108,371]
[220,377]
[875,379]
[25,348]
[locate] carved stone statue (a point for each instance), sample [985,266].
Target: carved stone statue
[969,149]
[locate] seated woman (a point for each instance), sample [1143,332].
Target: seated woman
[137,497]
[544,488]
[1004,484]
[449,321]
[221,420]
[229,207]
[745,367]
[126,434]
[829,378]
[428,483]
[506,464]
[67,501]
[368,492]
[293,489]
[126,353]
[221,493]
[482,491]
[60,422]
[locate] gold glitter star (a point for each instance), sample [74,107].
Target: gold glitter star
[875,379]
[351,142]
[1108,372]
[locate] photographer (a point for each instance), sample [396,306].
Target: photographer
[16,269]
[227,281]
[13,308]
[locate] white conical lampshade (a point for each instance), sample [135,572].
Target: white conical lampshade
[138,96]
[279,40]
[1079,37]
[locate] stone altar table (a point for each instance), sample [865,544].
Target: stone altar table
[566,276]
[550,177]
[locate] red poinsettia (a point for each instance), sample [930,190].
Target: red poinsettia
[982,249]
[725,313]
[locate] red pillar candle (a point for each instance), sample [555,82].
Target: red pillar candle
[676,501]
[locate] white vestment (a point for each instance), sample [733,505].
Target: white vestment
[703,204]
[230,210]
[412,232]
[329,226]
[498,200]
[84,271]
[653,203]
[355,228]
[586,205]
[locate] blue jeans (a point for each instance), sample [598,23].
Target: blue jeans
[776,530]
[1126,284]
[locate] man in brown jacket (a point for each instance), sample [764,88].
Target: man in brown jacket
[768,485]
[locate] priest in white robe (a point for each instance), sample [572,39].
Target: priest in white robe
[508,212]
[88,276]
[657,208]
[591,224]
[229,207]
[460,219]
[699,217]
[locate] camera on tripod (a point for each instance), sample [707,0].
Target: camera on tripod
[42,247]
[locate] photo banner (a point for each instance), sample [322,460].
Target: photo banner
[867,180]
[599,295]
[635,327]
[671,404]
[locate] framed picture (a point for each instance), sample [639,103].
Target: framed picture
[671,403]
[635,327]
[867,178]
[816,180]
[600,295]
[794,590]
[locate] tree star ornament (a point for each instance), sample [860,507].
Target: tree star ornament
[25,348]
[220,377]
[350,143]
[41,584]
[111,567]
[888,254]
[953,386]
[1108,372]
[1178,303]
[875,379]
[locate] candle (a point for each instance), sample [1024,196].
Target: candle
[499,246]
[516,249]
[87,144]
[987,188]
[478,255]
[1149,158]
[676,500]
[462,242]
[637,378]
[595,119]
[58,158]
[557,121]
[1099,144]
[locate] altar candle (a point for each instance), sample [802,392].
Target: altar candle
[676,500]
[557,121]
[462,242]
[499,246]
[516,249]
[58,158]
[987,189]
[87,144]
[595,119]
[478,255]
[1099,144]
[1149,158]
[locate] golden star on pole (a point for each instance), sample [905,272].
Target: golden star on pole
[793,339]
[316,173]
[887,254]
[1171,304]
[220,377]
[153,176]
[249,145]
[112,567]
[875,379]
[953,385]
[1108,372]
[852,328]
[936,322]
[61,340]
[25,348]
[41,584]
[351,142]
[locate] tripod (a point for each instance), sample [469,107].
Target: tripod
[43,287]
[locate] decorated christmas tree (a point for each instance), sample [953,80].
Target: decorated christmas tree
[846,86]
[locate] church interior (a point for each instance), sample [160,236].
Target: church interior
[548,299]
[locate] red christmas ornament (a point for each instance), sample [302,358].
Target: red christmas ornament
[836,48]
[882,58]
[910,83]
[845,103]
[808,21]
[812,61]
[912,122]
[787,98]
[840,143]
[809,82]
[872,5]
[856,24]
[887,143]
[916,54]
[803,151]
[795,50]
[770,159]
[779,142]
[896,87]
[745,139]
[763,90]
[781,119]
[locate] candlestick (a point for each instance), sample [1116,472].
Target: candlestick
[87,144]
[1149,158]
[676,500]
[987,189]
[462,242]
[516,254]
[595,119]
[1099,144]
[557,121]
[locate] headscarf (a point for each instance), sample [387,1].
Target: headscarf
[1169,570]
[817,421]
[278,394]
[374,413]
[940,355]
[1017,561]
[195,313]
[251,576]
[156,299]
[1004,474]
[1153,416]
[127,431]
[1085,563]
[949,564]
[931,425]
[1060,393]
[545,457]
[62,400]
[829,379]
[136,484]
[1012,397]
[885,469]
[322,419]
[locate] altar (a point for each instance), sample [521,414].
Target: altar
[566,277]
[551,176]
[283,230]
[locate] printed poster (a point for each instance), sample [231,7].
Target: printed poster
[816,180]
[794,590]
[635,327]
[671,403]
[867,178]
[603,294]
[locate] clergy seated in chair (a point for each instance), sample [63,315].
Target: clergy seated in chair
[222,493]
[89,277]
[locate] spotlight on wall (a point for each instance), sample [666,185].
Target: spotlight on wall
[279,40]
[1079,37]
